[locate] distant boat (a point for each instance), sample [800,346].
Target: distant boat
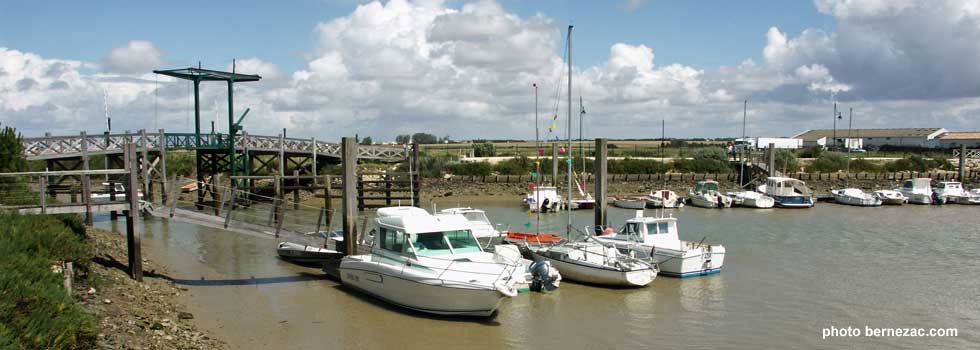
[953,192]
[856,197]
[891,197]
[482,228]
[656,239]
[544,199]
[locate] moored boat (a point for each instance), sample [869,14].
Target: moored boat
[544,199]
[856,197]
[657,239]
[751,199]
[432,263]
[706,195]
[664,199]
[891,197]
[918,191]
[630,202]
[953,192]
[305,254]
[787,192]
[592,262]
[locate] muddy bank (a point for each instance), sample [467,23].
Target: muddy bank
[133,315]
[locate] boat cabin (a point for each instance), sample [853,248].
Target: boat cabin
[410,231]
[481,225]
[920,184]
[707,186]
[786,187]
[949,187]
[660,232]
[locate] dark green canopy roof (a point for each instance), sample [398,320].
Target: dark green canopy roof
[207,75]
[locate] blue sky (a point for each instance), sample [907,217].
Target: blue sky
[697,33]
[465,68]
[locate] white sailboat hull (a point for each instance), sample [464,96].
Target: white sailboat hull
[751,200]
[594,275]
[630,203]
[710,201]
[855,198]
[421,294]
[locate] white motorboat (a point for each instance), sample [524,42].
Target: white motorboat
[664,199]
[751,199]
[305,254]
[917,190]
[953,192]
[707,195]
[432,264]
[856,197]
[891,197]
[592,262]
[656,239]
[481,226]
[787,192]
[544,199]
[630,202]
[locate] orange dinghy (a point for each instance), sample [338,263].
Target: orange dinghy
[533,237]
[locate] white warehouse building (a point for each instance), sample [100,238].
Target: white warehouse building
[860,138]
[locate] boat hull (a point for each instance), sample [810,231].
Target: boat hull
[307,255]
[866,201]
[677,263]
[758,203]
[594,275]
[701,201]
[793,202]
[424,295]
[919,198]
[630,204]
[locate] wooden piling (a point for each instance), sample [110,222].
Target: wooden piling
[43,192]
[86,181]
[145,166]
[601,205]
[327,198]
[296,190]
[349,163]
[772,159]
[962,163]
[132,196]
[554,164]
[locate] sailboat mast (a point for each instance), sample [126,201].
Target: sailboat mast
[537,163]
[581,148]
[741,173]
[569,150]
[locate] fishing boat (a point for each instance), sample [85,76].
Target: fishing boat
[953,192]
[480,225]
[432,264]
[544,199]
[656,239]
[891,197]
[787,192]
[917,190]
[856,197]
[592,262]
[751,199]
[305,254]
[630,202]
[706,195]
[664,199]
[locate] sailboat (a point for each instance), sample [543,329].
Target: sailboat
[749,199]
[663,198]
[588,260]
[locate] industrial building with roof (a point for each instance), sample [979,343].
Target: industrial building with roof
[859,138]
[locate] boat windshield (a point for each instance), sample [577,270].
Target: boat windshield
[909,184]
[706,187]
[657,228]
[445,243]
[477,217]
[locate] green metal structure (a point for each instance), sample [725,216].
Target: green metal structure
[215,153]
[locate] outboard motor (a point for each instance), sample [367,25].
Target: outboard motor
[542,280]
[544,205]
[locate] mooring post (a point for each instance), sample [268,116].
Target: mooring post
[86,181]
[43,192]
[600,184]
[388,189]
[132,195]
[282,155]
[554,165]
[349,163]
[217,199]
[327,198]
[772,159]
[162,150]
[113,215]
[962,163]
[278,197]
[295,189]
[314,151]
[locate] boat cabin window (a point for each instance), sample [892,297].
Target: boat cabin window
[476,217]
[657,228]
[909,184]
[444,243]
[706,187]
[630,231]
[392,240]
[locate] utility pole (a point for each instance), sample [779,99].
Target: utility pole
[833,142]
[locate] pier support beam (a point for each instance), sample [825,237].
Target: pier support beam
[962,163]
[772,159]
[600,169]
[349,163]
[86,181]
[132,196]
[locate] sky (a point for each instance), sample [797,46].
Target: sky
[466,69]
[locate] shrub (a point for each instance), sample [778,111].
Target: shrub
[35,310]
[636,166]
[433,165]
[828,162]
[515,166]
[706,160]
[917,163]
[471,168]
[860,165]
[484,149]
[811,152]
[181,163]
[785,159]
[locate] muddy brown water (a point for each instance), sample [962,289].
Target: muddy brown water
[788,275]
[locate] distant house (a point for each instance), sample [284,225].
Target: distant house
[955,139]
[910,137]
